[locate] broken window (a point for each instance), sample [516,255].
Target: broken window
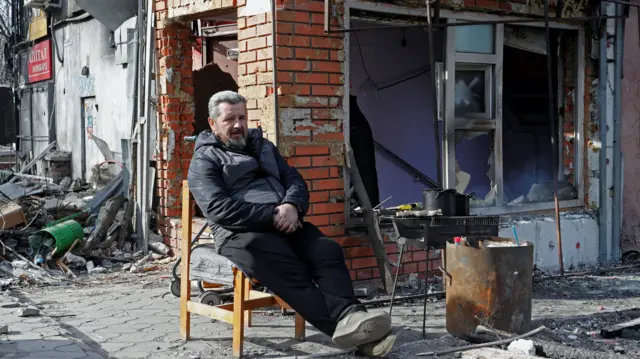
[527,128]
[492,113]
[498,128]
[390,111]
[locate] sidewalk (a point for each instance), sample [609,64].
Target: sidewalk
[124,316]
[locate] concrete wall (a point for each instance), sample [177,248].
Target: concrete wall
[87,44]
[579,238]
[631,136]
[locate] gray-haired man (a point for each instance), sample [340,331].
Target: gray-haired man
[255,204]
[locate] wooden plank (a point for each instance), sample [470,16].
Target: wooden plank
[185,253]
[216,313]
[616,330]
[251,304]
[238,315]
[375,237]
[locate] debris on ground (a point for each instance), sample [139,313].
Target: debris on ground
[53,229]
[28,312]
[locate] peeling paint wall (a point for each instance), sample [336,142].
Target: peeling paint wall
[106,81]
[579,232]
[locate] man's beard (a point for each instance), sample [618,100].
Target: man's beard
[236,143]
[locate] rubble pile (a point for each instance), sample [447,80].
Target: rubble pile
[50,232]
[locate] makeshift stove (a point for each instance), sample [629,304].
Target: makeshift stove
[419,229]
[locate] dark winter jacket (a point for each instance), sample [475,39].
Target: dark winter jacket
[238,191]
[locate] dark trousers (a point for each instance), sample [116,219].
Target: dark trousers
[306,269]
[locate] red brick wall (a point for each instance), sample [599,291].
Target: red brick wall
[175,111]
[310,129]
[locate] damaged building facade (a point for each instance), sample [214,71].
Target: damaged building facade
[343,71]
[74,82]
[491,99]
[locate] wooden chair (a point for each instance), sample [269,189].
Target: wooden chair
[238,314]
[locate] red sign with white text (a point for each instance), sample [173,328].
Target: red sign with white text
[39,62]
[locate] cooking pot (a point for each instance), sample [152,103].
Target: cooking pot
[462,204]
[434,199]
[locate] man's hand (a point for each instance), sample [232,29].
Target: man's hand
[286,218]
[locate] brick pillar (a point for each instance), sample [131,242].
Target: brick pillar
[255,69]
[176,115]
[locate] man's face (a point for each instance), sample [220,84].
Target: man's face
[231,125]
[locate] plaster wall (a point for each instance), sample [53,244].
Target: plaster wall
[105,86]
[579,238]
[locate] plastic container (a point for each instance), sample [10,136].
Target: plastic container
[64,233]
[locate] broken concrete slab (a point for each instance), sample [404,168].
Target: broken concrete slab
[28,312]
[4,329]
[493,353]
[522,346]
[616,330]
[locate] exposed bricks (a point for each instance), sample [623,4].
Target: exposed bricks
[176,115]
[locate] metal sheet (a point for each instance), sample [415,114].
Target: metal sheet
[112,13]
[488,286]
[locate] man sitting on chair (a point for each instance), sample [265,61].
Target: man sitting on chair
[254,203]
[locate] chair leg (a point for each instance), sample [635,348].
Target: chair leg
[238,313]
[300,327]
[185,254]
[247,292]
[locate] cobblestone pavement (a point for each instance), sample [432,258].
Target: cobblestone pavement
[127,316]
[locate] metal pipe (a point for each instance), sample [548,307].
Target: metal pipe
[135,115]
[407,167]
[602,122]
[617,137]
[554,141]
[327,21]
[434,96]
[472,23]
[274,61]
[402,299]
[146,127]
[135,129]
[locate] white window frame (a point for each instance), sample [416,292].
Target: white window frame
[446,105]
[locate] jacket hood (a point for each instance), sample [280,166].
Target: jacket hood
[206,138]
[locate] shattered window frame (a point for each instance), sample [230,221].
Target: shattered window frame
[492,121]
[444,85]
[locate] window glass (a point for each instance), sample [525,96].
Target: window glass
[478,39]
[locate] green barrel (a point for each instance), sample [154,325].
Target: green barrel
[64,233]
